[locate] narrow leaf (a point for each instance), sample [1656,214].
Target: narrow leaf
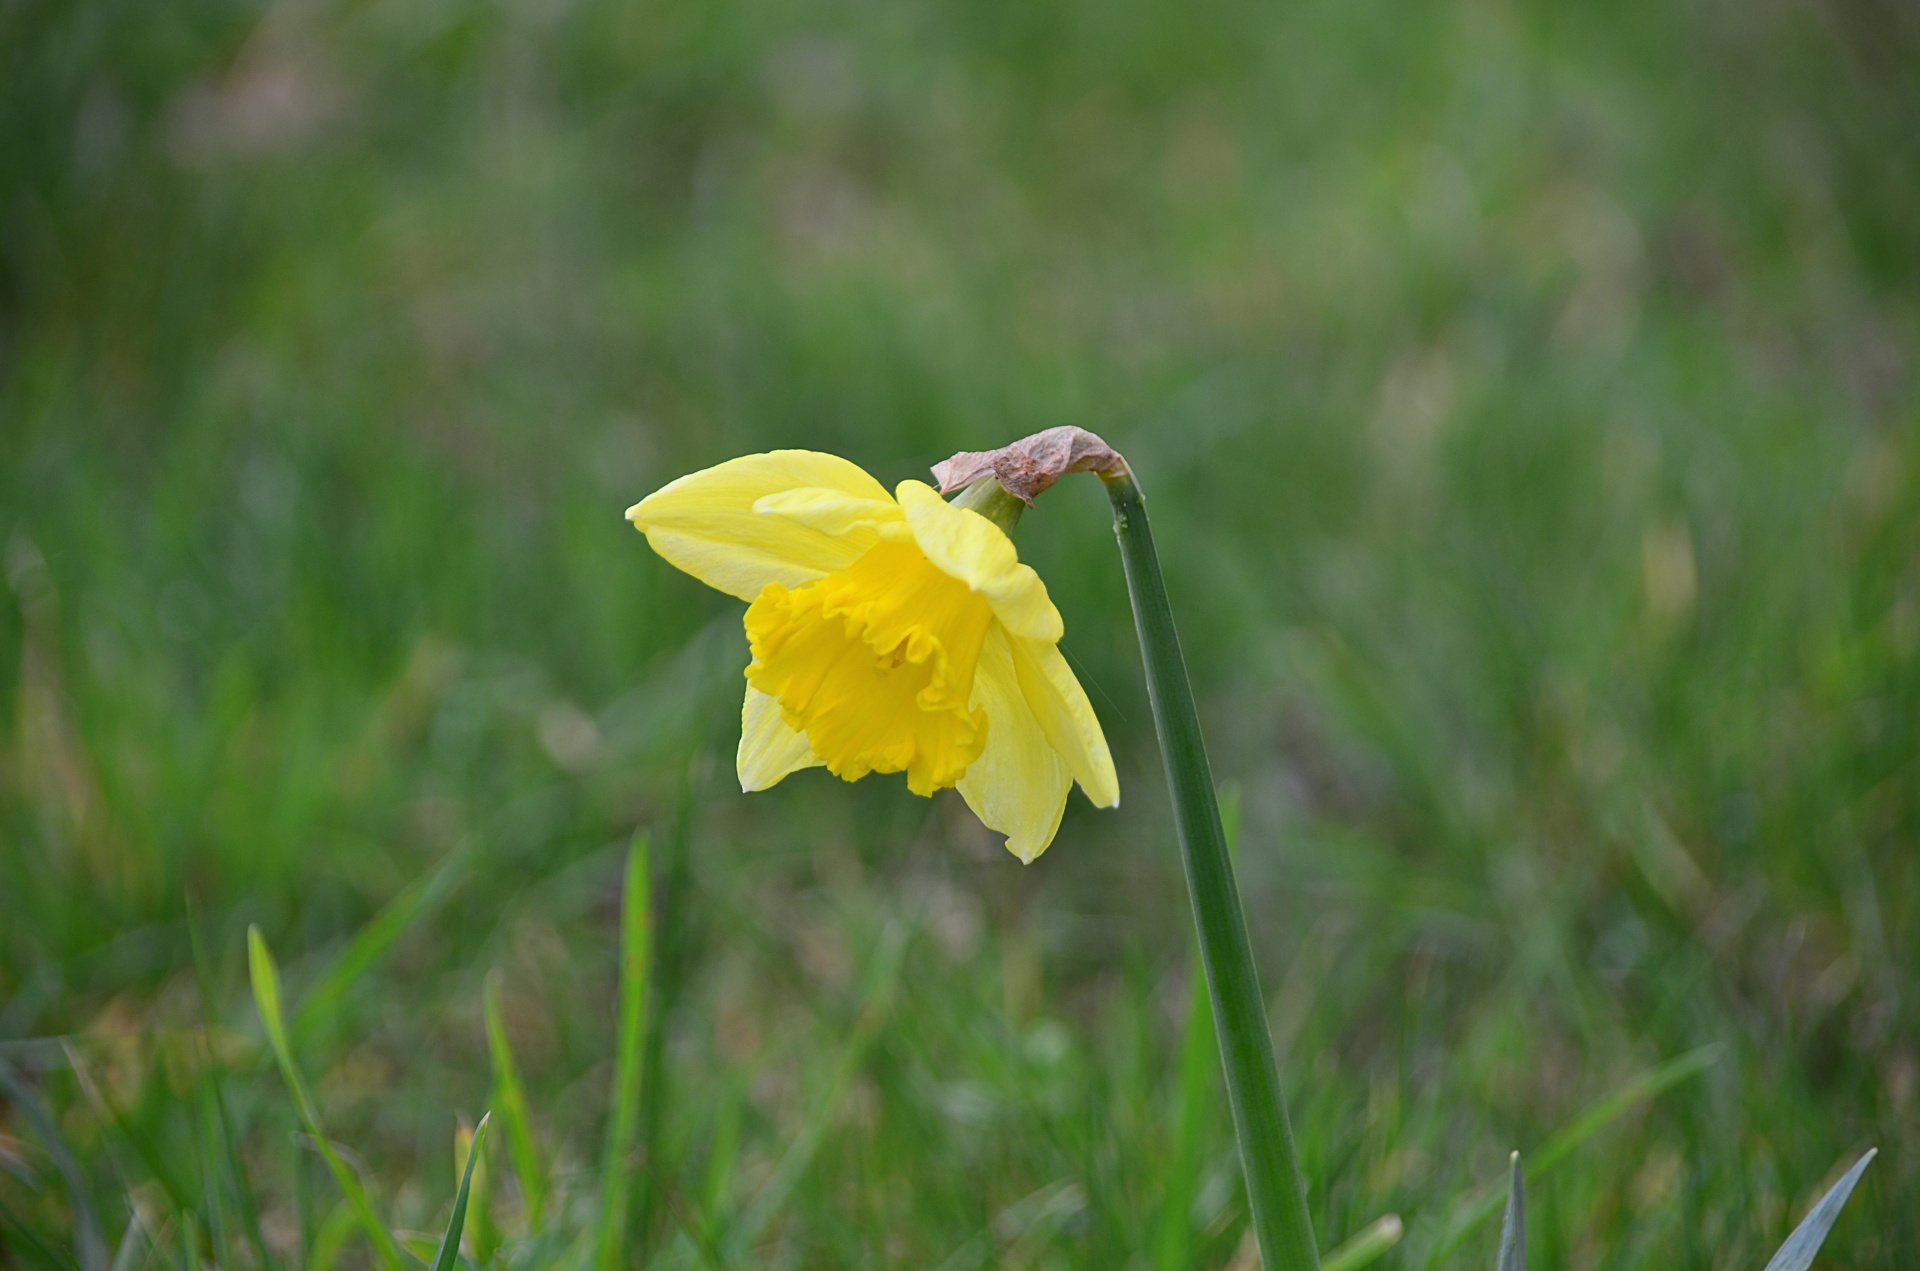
[90,1245]
[127,1151]
[266,998]
[1654,1082]
[1797,1253]
[235,1174]
[1199,1070]
[1199,1075]
[482,1236]
[130,1243]
[723,1152]
[1366,1245]
[23,1238]
[883,978]
[419,900]
[213,1201]
[1480,1206]
[1513,1232]
[636,924]
[330,1240]
[511,1097]
[450,1244]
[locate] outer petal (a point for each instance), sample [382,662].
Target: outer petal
[770,748]
[1060,704]
[968,546]
[706,523]
[833,512]
[1019,783]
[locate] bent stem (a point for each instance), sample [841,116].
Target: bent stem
[1276,1193]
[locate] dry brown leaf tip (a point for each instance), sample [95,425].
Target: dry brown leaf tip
[1028,466]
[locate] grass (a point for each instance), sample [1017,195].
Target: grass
[1526,403]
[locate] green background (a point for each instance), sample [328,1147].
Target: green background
[1525,397]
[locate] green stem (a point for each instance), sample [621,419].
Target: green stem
[990,499]
[1276,1192]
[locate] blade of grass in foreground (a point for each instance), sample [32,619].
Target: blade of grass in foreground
[1198,1072]
[368,945]
[331,1237]
[1797,1254]
[483,1237]
[636,924]
[130,1243]
[234,1173]
[213,1200]
[266,998]
[1173,1236]
[122,1152]
[90,1245]
[1477,1208]
[1366,1245]
[1513,1230]
[883,978]
[23,1240]
[511,1096]
[450,1243]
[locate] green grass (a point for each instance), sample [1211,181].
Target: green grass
[1526,401]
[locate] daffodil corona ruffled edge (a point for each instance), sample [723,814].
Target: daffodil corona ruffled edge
[890,633]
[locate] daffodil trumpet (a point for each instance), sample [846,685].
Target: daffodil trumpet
[889,632]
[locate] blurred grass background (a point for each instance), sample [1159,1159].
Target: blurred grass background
[1525,394]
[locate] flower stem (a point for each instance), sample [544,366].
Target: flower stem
[990,499]
[1276,1192]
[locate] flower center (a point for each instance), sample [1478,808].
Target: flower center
[875,665]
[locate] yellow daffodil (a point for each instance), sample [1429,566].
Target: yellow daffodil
[890,633]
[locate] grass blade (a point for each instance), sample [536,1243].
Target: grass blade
[266,998]
[127,1151]
[877,1001]
[1366,1245]
[1655,1082]
[616,1184]
[1477,1208]
[1797,1253]
[123,1259]
[236,1174]
[484,1237]
[510,1096]
[90,1245]
[1513,1231]
[450,1244]
[213,1201]
[371,942]
[1199,1069]
[23,1237]
[1194,1108]
[723,1151]
[330,1240]
[668,974]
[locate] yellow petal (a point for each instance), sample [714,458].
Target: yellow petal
[706,523]
[769,746]
[833,512]
[1059,703]
[1019,783]
[968,546]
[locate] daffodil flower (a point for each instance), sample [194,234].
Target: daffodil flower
[890,633]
